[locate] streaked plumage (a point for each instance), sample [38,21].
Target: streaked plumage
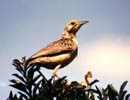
[61,52]
[58,52]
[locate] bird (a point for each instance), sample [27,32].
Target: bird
[59,53]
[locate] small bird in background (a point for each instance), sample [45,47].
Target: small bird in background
[60,53]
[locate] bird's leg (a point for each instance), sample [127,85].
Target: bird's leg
[55,70]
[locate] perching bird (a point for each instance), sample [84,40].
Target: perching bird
[60,53]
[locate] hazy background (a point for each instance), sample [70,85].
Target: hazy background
[104,44]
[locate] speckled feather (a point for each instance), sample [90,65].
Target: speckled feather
[60,53]
[56,48]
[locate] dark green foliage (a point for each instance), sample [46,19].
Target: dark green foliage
[32,85]
[110,93]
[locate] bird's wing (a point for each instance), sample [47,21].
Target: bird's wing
[55,48]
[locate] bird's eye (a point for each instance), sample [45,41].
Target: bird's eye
[72,23]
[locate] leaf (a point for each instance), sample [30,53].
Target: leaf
[93,82]
[100,98]
[19,77]
[16,61]
[23,95]
[44,80]
[30,73]
[112,93]
[10,96]
[36,87]
[112,90]
[36,78]
[60,81]
[104,93]
[18,65]
[105,90]
[15,81]
[123,94]
[20,86]
[15,97]
[127,97]
[98,91]
[122,87]
[93,90]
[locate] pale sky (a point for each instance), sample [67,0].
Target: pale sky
[104,44]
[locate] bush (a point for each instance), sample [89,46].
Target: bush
[33,85]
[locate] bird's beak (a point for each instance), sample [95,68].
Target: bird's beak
[83,22]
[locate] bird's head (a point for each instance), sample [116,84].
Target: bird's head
[74,25]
